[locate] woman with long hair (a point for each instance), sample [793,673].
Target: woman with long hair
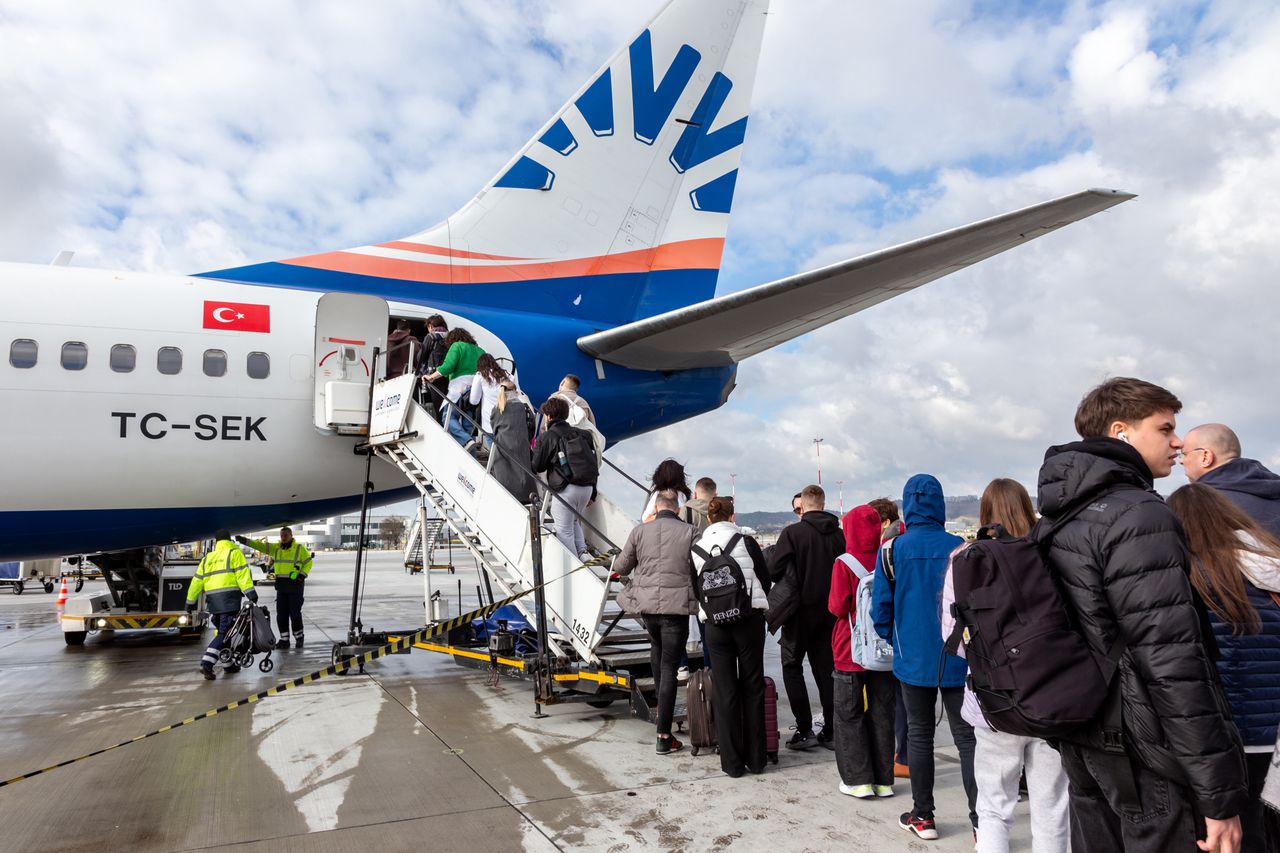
[484,392]
[669,475]
[512,419]
[1235,567]
[458,367]
[736,649]
[1000,759]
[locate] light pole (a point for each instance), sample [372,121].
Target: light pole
[733,487]
[840,484]
[817,446]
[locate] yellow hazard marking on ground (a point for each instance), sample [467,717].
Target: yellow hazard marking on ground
[397,645]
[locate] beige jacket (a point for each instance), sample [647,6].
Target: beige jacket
[657,560]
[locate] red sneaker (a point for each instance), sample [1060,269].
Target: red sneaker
[923,827]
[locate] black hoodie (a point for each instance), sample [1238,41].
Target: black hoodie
[1249,485]
[1122,564]
[811,546]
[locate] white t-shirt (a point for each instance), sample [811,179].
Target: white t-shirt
[484,393]
[650,505]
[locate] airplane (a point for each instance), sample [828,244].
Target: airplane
[145,409]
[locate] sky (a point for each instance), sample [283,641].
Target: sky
[183,136]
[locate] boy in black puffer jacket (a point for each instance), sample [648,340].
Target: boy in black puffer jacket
[1177,770]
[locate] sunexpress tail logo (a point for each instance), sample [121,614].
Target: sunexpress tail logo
[651,105]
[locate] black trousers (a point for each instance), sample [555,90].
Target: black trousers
[864,737]
[289,607]
[1119,805]
[921,702]
[737,664]
[667,638]
[1258,821]
[808,633]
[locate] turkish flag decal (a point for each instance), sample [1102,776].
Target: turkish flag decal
[237,316]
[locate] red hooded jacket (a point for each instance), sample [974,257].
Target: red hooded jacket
[862,540]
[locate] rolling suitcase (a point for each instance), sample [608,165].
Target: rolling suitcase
[771,720]
[702,717]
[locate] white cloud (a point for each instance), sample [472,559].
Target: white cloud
[183,137]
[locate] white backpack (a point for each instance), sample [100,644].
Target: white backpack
[866,647]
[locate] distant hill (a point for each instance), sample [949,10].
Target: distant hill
[963,506]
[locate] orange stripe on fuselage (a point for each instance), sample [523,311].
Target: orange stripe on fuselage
[682,255]
[405,246]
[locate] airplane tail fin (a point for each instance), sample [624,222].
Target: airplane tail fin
[616,209]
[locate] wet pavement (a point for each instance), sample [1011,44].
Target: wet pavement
[417,753]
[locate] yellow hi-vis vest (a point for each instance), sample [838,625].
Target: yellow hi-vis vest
[223,574]
[285,561]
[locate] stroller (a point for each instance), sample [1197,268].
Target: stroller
[248,635]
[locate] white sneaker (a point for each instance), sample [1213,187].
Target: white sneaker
[862,792]
[884,790]
[682,674]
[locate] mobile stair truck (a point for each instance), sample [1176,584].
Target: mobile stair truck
[146,590]
[586,649]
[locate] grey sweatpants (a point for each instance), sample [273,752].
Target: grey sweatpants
[998,762]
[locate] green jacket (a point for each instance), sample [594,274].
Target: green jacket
[293,562]
[223,577]
[460,360]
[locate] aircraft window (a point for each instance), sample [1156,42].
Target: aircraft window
[22,352]
[215,362]
[169,361]
[123,358]
[258,365]
[75,355]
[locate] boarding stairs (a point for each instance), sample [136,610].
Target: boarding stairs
[494,527]
[420,546]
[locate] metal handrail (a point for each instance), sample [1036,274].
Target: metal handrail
[639,485]
[480,429]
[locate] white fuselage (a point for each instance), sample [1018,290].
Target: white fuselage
[111,449]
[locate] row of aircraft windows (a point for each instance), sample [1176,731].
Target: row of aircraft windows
[124,358]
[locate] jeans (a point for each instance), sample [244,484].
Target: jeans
[456,425]
[1119,805]
[738,654]
[999,760]
[569,526]
[667,636]
[921,702]
[808,633]
[289,608]
[864,738]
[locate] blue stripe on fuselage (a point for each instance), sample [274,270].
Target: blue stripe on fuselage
[626,403]
[41,534]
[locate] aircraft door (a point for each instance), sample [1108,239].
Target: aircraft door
[348,328]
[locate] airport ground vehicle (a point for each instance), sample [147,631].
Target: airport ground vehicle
[18,575]
[146,590]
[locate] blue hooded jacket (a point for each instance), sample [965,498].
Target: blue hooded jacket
[906,612]
[1250,486]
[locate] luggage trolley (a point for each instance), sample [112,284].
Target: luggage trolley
[18,575]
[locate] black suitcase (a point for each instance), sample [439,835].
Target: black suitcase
[701,711]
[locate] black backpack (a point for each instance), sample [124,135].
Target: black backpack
[721,588]
[434,351]
[575,459]
[1031,670]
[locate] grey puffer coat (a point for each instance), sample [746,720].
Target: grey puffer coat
[657,558]
[1123,566]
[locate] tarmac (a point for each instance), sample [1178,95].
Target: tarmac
[417,753]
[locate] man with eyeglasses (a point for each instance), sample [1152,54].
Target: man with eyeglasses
[1211,456]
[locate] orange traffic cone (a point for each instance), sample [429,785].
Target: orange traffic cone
[62,598]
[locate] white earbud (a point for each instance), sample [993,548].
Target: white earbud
[1123,436]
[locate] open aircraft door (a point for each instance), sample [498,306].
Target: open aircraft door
[348,328]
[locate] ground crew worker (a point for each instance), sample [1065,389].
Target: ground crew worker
[291,563]
[223,576]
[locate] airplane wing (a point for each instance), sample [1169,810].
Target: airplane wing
[727,329]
